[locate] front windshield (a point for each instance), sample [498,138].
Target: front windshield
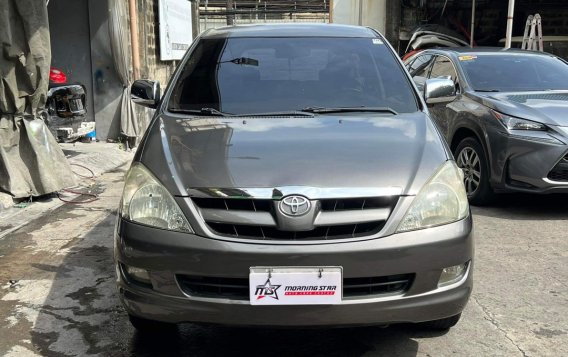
[515,72]
[262,75]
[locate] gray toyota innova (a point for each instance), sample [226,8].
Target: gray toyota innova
[292,176]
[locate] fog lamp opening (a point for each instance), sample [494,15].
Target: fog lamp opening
[137,274]
[453,274]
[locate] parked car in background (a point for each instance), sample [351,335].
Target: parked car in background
[432,35]
[292,177]
[507,119]
[66,108]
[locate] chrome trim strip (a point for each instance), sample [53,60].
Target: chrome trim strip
[238,217]
[334,218]
[541,140]
[562,183]
[312,193]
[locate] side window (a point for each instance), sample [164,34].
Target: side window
[444,68]
[419,69]
[420,66]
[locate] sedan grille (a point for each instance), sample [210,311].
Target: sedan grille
[238,288]
[256,218]
[560,172]
[558,175]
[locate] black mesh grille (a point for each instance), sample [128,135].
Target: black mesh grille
[558,175]
[221,288]
[393,284]
[238,288]
[560,171]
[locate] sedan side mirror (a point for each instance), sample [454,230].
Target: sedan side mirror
[145,93]
[439,90]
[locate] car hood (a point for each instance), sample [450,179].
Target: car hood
[326,151]
[548,107]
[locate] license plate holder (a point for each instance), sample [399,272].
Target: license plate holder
[295,285]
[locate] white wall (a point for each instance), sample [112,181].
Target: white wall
[373,13]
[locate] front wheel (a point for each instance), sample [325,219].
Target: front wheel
[470,157]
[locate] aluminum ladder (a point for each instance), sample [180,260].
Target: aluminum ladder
[532,38]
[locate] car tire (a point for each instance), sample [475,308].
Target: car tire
[443,324]
[470,157]
[146,326]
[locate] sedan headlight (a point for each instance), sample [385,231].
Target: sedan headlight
[513,123]
[145,200]
[441,201]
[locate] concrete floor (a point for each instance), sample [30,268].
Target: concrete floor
[58,298]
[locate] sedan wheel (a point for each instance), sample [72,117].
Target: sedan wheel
[468,161]
[470,157]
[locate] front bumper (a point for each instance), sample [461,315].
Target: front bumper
[522,163]
[423,253]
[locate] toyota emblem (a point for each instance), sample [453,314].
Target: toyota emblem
[294,205]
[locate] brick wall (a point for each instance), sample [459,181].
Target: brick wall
[149,41]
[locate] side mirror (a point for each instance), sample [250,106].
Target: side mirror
[145,93]
[439,90]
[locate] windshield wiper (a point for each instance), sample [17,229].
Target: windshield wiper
[202,111]
[215,112]
[289,113]
[349,109]
[487,90]
[243,61]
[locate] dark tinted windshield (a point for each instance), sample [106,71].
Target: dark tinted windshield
[515,72]
[258,75]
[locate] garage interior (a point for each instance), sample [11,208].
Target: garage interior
[490,18]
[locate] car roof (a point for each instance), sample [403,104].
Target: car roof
[290,30]
[457,51]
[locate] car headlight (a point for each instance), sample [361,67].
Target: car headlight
[442,200]
[513,123]
[145,200]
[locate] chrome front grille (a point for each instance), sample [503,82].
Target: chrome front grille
[240,204]
[355,203]
[326,232]
[340,218]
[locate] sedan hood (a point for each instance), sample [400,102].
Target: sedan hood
[367,151]
[548,107]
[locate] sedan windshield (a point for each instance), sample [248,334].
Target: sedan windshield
[263,75]
[514,72]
